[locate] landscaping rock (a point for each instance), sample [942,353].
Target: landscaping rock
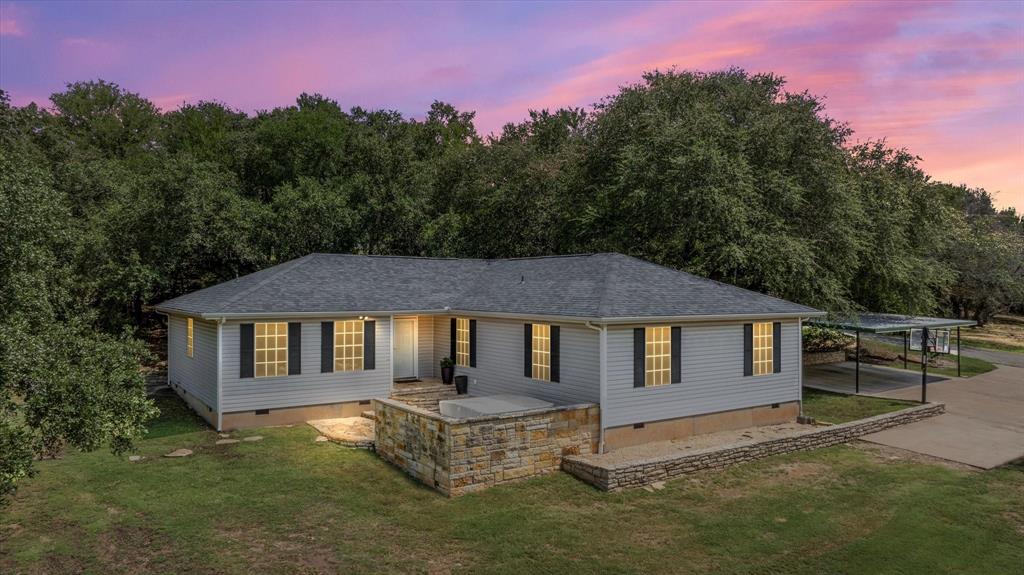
[179,453]
[321,438]
[659,485]
[253,438]
[226,441]
[136,457]
[224,435]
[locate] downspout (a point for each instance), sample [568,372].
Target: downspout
[391,353]
[603,378]
[220,369]
[800,361]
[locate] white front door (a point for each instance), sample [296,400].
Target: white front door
[405,348]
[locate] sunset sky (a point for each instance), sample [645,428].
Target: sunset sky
[945,80]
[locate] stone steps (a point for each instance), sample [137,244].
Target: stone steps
[424,395]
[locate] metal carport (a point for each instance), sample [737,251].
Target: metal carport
[882,323]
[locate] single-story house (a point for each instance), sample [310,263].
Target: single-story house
[664,353]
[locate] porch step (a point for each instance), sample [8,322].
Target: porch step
[424,395]
[368,415]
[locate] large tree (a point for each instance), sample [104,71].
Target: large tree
[62,381]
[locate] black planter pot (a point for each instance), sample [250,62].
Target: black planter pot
[447,373]
[462,384]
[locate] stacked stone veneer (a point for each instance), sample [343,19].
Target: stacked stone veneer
[458,456]
[824,357]
[647,471]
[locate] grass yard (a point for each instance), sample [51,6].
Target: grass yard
[287,504]
[838,408]
[1004,333]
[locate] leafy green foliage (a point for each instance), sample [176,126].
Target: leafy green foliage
[817,339]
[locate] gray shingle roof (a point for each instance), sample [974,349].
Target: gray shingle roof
[593,286]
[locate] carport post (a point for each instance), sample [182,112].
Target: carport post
[905,349]
[924,365]
[958,351]
[857,360]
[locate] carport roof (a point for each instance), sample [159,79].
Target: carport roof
[888,322]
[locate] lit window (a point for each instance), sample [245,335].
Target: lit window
[658,356]
[763,348]
[188,339]
[462,342]
[348,345]
[542,352]
[271,349]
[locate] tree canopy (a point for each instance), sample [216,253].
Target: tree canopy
[108,205]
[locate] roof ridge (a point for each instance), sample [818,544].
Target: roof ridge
[606,285]
[716,282]
[285,266]
[447,258]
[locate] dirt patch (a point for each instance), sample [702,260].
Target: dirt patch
[681,447]
[134,549]
[797,472]
[299,551]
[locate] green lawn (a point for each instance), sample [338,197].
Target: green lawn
[287,504]
[839,408]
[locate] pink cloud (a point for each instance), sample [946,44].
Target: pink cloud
[10,27]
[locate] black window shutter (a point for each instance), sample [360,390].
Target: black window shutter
[777,347]
[639,356]
[528,350]
[677,360]
[748,349]
[369,344]
[294,348]
[246,361]
[555,353]
[326,346]
[452,348]
[472,343]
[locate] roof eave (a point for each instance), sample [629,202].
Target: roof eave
[618,320]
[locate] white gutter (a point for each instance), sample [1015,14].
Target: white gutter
[602,380]
[220,369]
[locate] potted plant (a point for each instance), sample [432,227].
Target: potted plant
[461,384]
[447,370]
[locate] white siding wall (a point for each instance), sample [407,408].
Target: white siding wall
[196,374]
[428,364]
[499,361]
[310,387]
[712,376]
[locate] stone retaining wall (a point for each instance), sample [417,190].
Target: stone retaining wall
[458,456]
[824,357]
[645,472]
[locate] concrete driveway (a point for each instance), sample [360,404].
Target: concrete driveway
[983,425]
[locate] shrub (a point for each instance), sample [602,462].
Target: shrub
[825,339]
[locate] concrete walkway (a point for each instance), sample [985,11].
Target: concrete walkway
[983,425]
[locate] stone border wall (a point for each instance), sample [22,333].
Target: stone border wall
[458,456]
[645,472]
[824,357]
